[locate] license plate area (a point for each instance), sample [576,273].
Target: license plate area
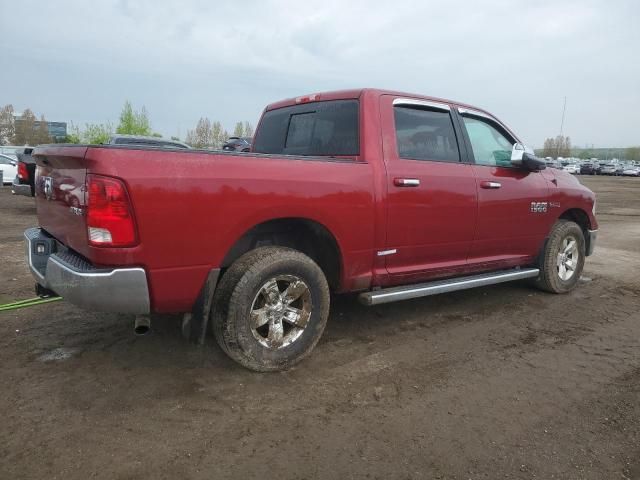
[42,247]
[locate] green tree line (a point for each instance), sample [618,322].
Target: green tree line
[28,130]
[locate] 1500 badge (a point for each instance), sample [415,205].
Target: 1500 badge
[539,207]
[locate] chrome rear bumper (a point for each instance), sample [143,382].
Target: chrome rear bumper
[122,290]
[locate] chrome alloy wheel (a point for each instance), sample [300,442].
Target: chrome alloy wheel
[280,311]
[567,261]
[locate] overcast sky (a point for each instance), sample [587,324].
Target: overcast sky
[80,60]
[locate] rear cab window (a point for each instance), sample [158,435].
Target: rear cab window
[329,128]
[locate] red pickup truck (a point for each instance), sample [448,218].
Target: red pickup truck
[388,194]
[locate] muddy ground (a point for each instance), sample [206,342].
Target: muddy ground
[498,382]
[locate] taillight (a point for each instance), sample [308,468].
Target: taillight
[23,173]
[110,221]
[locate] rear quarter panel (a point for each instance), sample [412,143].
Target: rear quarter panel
[191,207]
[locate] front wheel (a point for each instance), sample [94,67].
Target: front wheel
[270,308]
[563,258]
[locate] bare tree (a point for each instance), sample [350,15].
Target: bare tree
[557,147]
[7,125]
[248,129]
[42,132]
[209,134]
[25,132]
[217,134]
[202,136]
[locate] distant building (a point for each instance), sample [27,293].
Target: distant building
[57,130]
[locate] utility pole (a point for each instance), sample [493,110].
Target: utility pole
[564,108]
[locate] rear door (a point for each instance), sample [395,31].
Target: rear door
[512,201]
[431,193]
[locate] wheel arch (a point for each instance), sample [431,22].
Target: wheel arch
[303,234]
[579,216]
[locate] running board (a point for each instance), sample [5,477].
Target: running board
[406,292]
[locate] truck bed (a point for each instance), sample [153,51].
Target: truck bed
[191,206]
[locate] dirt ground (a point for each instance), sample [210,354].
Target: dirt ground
[498,382]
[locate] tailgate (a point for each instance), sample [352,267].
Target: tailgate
[60,193]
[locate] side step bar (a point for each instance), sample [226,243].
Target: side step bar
[406,292]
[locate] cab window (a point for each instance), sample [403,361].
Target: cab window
[423,134]
[327,128]
[490,146]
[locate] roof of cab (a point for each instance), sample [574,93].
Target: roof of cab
[357,93]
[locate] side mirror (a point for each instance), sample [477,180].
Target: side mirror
[516,154]
[533,163]
[13,164]
[521,156]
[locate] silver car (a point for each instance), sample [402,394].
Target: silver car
[8,167]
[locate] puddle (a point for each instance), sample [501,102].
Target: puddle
[57,355]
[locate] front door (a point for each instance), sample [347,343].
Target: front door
[513,209]
[431,192]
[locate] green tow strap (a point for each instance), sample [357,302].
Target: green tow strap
[27,303]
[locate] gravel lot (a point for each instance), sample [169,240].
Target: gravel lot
[498,382]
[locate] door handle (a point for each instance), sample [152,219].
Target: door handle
[406,182]
[492,185]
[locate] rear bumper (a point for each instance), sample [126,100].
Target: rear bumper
[20,188]
[122,290]
[591,241]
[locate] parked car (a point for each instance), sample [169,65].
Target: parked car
[631,171]
[144,141]
[24,181]
[608,169]
[389,195]
[238,144]
[552,164]
[8,168]
[571,168]
[588,169]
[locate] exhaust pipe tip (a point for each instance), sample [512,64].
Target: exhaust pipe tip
[142,325]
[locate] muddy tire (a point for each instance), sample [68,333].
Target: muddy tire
[562,260]
[270,308]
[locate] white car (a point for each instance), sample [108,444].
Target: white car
[8,166]
[631,171]
[572,168]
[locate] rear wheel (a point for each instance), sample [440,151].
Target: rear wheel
[563,258]
[270,308]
